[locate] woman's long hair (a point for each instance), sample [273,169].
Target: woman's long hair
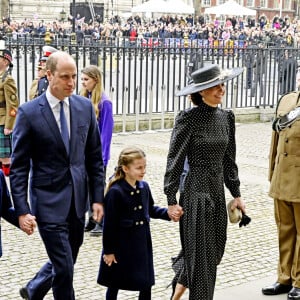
[95,73]
[126,157]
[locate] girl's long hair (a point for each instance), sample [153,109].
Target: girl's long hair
[126,157]
[95,73]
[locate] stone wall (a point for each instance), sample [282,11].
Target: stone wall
[4,8]
[49,10]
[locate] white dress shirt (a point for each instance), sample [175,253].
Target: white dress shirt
[55,107]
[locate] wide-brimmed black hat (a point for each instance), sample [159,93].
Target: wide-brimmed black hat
[208,76]
[7,55]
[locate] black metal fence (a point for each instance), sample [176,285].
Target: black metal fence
[143,75]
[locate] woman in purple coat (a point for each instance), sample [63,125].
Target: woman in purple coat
[92,88]
[127,259]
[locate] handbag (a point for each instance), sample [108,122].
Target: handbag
[234,215]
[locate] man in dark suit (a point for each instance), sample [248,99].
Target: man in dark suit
[56,141]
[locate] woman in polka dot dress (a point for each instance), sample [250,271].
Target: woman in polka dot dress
[205,135]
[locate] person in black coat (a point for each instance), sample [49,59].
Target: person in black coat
[288,73]
[205,136]
[259,71]
[127,258]
[7,211]
[250,62]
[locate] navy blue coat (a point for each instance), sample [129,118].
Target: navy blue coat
[55,176]
[126,233]
[7,211]
[42,85]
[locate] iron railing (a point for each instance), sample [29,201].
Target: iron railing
[142,75]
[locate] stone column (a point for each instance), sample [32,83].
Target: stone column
[4,9]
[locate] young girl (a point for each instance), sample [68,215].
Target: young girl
[127,259]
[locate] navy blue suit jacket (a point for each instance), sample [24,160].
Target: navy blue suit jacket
[6,208]
[38,150]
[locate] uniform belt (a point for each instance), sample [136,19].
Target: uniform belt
[287,120]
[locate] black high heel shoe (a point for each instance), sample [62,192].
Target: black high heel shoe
[173,288]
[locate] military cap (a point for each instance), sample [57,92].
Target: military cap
[7,55]
[47,51]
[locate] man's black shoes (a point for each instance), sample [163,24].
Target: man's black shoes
[294,294]
[277,289]
[90,225]
[97,231]
[24,293]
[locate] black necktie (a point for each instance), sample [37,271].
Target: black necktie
[64,127]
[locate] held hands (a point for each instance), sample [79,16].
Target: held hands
[109,259]
[27,223]
[97,212]
[175,212]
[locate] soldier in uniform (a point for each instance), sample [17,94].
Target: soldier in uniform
[40,84]
[9,103]
[41,72]
[284,180]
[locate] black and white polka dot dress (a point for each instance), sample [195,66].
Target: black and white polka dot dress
[206,136]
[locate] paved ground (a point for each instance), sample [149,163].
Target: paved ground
[251,252]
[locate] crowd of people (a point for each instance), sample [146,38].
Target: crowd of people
[273,32]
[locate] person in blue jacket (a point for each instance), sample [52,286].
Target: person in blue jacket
[127,258]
